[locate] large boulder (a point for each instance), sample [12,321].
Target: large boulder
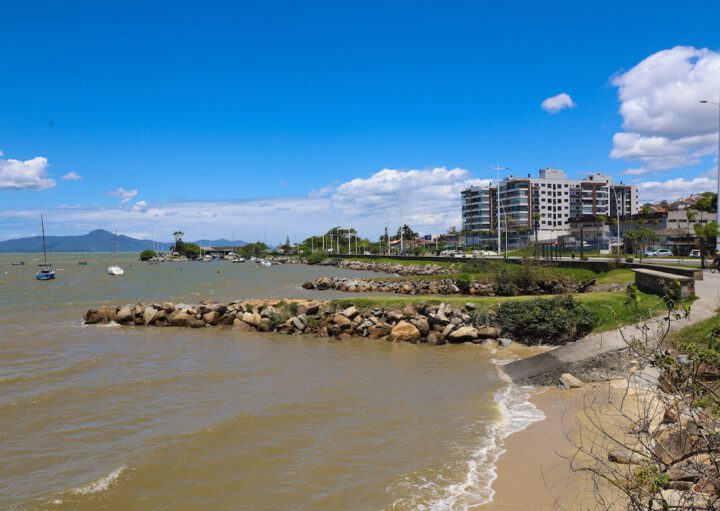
[149,314]
[342,321]
[378,331]
[239,324]
[212,317]
[421,323]
[350,312]
[404,332]
[323,283]
[125,314]
[488,332]
[182,318]
[103,314]
[568,381]
[463,334]
[251,318]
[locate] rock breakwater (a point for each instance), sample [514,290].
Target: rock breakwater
[441,286]
[433,324]
[395,268]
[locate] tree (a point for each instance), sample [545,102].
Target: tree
[691,215]
[407,232]
[257,249]
[640,236]
[707,202]
[707,234]
[146,255]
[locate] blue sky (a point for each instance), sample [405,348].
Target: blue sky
[234,108]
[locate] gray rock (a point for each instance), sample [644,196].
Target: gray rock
[350,312]
[504,342]
[568,381]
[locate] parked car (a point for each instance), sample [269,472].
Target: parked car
[577,244]
[694,253]
[649,252]
[663,252]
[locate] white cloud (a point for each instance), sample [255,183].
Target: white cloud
[140,206]
[72,176]
[365,203]
[664,124]
[125,195]
[554,104]
[671,189]
[25,175]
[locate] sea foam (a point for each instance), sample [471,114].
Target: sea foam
[100,484]
[516,414]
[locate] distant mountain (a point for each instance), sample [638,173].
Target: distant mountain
[98,240]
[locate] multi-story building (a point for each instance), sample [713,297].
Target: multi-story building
[478,213]
[543,206]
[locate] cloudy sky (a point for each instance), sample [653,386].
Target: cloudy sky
[271,119]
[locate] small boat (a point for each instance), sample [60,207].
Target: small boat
[115,269]
[238,260]
[18,263]
[265,263]
[46,270]
[82,263]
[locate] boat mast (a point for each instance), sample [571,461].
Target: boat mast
[42,224]
[115,260]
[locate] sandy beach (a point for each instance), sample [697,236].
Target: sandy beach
[534,472]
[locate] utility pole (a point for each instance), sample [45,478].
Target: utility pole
[717,206]
[498,168]
[402,223]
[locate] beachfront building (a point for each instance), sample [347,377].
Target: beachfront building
[673,229]
[542,207]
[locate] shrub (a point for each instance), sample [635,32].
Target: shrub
[629,259]
[146,255]
[316,258]
[546,321]
[464,282]
[584,258]
[505,283]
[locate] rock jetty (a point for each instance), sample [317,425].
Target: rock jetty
[433,324]
[395,268]
[439,286]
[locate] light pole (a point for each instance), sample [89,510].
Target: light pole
[717,238]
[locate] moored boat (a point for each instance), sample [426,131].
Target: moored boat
[115,269]
[46,270]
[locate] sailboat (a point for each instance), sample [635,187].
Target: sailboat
[46,271]
[115,269]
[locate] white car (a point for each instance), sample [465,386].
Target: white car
[663,252]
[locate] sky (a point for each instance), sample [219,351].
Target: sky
[266,120]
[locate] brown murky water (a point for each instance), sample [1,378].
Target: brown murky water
[104,417]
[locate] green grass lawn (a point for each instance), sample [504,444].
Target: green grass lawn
[579,274]
[609,305]
[694,335]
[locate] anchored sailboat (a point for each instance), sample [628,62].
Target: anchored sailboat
[115,269]
[46,270]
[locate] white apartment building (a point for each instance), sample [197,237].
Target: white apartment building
[545,204]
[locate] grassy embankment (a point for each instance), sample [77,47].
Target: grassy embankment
[609,306]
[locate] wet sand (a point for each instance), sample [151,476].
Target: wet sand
[534,473]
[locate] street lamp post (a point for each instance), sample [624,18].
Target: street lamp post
[717,238]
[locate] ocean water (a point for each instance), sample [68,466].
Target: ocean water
[109,417]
